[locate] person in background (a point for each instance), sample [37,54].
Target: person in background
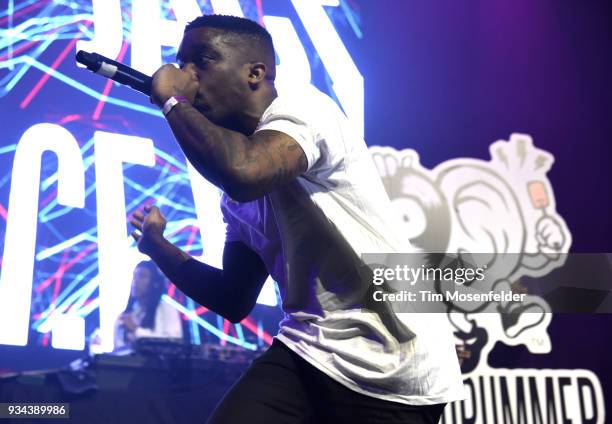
[146,315]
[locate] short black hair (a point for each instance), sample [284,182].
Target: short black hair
[237,26]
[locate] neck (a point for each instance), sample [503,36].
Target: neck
[249,119]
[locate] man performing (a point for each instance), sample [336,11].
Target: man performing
[302,200]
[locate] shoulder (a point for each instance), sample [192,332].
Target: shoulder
[301,105]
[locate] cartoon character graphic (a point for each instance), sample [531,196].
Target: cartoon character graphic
[502,210]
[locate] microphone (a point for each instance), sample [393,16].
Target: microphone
[116,71]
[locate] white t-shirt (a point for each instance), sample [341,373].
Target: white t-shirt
[310,235]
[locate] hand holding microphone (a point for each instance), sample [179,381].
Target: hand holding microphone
[116,71]
[168,81]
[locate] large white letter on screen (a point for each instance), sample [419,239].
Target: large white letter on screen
[206,198]
[150,32]
[227,7]
[22,220]
[108,29]
[346,78]
[114,257]
[293,70]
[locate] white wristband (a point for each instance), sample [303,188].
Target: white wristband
[171,102]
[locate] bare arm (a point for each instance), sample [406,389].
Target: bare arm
[230,292]
[244,167]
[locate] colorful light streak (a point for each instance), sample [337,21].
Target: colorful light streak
[66,278]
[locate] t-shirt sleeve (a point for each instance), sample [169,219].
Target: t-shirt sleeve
[231,232]
[232,226]
[296,127]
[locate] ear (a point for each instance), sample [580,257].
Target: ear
[257,73]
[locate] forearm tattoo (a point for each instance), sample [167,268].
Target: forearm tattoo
[246,166]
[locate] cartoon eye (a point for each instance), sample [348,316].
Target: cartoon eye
[411,216]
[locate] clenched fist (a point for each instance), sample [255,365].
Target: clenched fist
[550,236]
[171,81]
[150,225]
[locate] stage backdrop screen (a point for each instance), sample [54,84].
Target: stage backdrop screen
[79,154]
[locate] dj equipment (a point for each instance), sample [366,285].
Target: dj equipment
[160,381]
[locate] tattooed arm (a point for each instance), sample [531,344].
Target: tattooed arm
[244,167]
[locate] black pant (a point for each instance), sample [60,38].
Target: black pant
[282,388]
